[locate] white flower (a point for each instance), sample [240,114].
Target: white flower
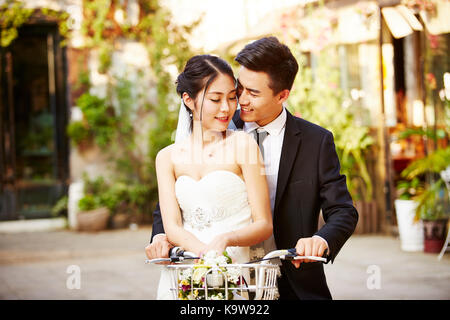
[198,274]
[186,274]
[210,258]
[221,260]
[233,274]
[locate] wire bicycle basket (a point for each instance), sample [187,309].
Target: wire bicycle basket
[228,281]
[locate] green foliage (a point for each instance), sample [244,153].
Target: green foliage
[105,57]
[60,206]
[13,14]
[114,195]
[316,97]
[407,189]
[170,47]
[429,133]
[432,200]
[433,163]
[63,23]
[117,196]
[110,122]
[89,202]
[95,20]
[78,132]
[93,194]
[94,186]
[100,121]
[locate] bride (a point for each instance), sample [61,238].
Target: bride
[213,193]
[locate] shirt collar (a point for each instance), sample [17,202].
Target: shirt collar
[274,128]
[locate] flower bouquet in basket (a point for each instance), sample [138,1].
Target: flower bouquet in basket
[209,278]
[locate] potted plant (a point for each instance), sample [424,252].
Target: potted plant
[410,229]
[93,215]
[127,201]
[116,199]
[433,202]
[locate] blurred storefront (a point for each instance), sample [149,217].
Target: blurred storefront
[394,74]
[415,44]
[393,57]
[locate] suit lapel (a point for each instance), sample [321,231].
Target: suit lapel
[289,150]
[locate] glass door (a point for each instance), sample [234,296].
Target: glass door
[37,134]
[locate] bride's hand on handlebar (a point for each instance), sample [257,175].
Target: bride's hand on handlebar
[219,244]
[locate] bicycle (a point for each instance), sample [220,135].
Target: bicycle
[216,278]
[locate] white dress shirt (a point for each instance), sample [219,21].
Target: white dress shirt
[272,146]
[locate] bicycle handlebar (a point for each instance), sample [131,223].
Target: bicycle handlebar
[177,254]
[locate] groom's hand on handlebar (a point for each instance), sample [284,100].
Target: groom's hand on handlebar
[314,246]
[159,248]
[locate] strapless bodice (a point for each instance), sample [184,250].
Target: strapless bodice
[215,204]
[217,201]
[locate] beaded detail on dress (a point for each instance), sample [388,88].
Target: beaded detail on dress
[217,202]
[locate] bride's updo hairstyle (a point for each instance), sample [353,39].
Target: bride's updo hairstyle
[199,72]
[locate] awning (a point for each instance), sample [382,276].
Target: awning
[401,21]
[409,16]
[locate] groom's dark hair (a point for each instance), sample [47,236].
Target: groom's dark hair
[272,57]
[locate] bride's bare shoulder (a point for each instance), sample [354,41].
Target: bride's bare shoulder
[173,151]
[165,154]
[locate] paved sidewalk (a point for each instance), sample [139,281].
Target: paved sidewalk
[111,264]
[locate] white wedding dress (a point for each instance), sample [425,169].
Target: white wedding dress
[215,204]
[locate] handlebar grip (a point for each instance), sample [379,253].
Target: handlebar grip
[293,252]
[175,252]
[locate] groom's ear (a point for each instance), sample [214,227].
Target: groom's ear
[283,95]
[188,101]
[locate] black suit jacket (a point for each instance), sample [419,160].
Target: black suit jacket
[309,180]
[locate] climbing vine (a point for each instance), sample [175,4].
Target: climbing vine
[13,15]
[109,121]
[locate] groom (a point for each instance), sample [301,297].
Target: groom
[302,170]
